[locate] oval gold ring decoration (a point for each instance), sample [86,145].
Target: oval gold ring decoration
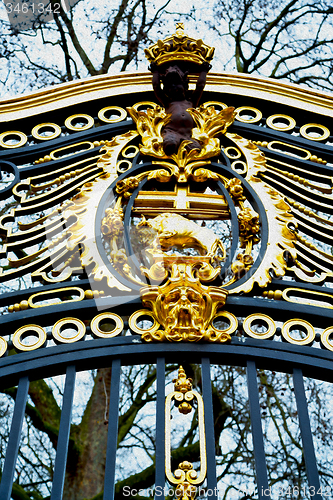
[20,137]
[70,122]
[239,167]
[66,324]
[232,320]
[27,331]
[215,104]
[76,148]
[325,338]
[144,104]
[95,325]
[130,151]
[3,346]
[305,131]
[135,317]
[285,122]
[262,318]
[301,324]
[123,166]
[36,131]
[254,114]
[230,150]
[120,112]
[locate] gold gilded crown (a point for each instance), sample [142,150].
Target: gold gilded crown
[179,47]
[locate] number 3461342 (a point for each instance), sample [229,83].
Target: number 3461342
[35,8]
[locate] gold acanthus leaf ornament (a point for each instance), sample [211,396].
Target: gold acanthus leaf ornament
[209,124]
[149,124]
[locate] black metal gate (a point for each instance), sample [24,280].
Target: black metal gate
[278,299]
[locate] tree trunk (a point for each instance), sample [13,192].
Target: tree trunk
[86,468]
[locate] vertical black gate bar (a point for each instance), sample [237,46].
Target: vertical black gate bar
[160,429]
[111,450]
[63,436]
[209,428]
[257,434]
[307,440]
[14,439]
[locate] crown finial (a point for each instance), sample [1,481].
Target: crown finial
[180,47]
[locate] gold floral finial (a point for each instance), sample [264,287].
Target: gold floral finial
[183,395]
[182,383]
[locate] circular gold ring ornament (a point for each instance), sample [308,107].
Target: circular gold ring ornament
[215,104]
[325,338]
[65,323]
[325,132]
[98,332]
[229,152]
[233,322]
[127,151]
[87,118]
[37,135]
[270,324]
[134,318]
[119,111]
[236,164]
[290,125]
[24,331]
[22,139]
[310,336]
[256,114]
[3,346]
[144,104]
[123,166]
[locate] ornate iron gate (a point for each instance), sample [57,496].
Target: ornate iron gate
[214,256]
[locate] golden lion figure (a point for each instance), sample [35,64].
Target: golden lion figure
[173,230]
